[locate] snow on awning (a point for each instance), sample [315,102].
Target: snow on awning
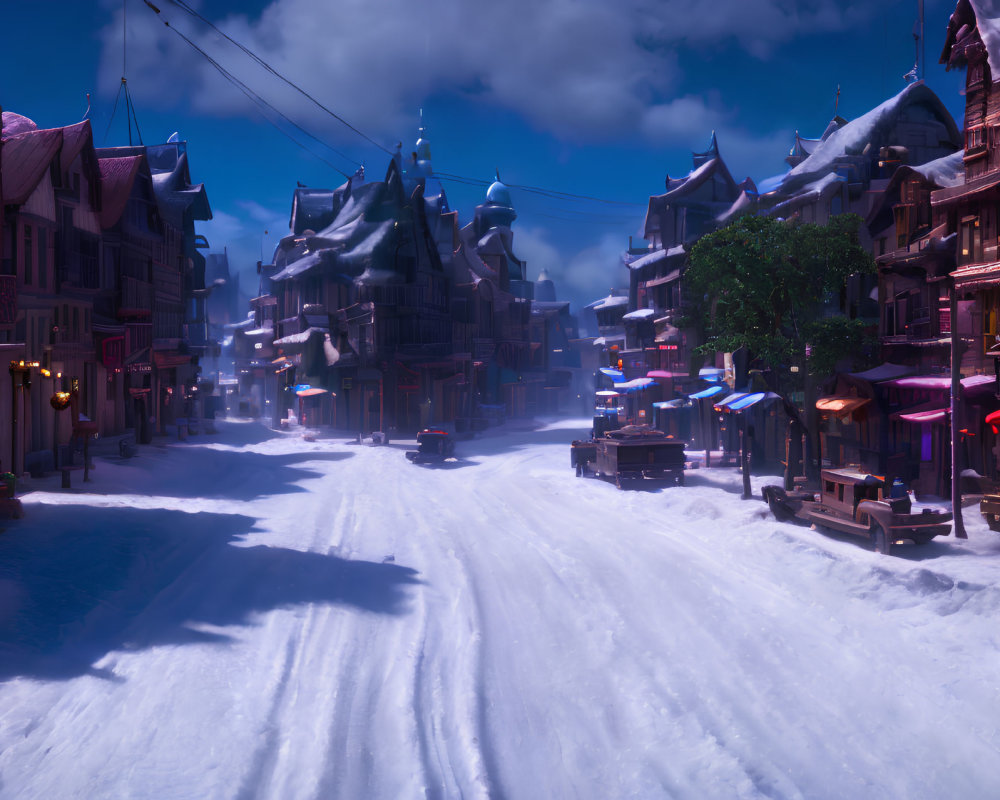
[711,391]
[609,302]
[642,313]
[729,399]
[973,383]
[746,401]
[711,373]
[655,256]
[614,374]
[926,417]
[659,373]
[666,405]
[607,393]
[635,385]
[840,405]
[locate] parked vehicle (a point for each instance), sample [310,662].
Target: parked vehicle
[851,501]
[989,507]
[632,456]
[433,446]
[583,456]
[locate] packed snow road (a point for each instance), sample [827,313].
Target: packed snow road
[254,615]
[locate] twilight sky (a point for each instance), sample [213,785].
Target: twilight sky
[591,97]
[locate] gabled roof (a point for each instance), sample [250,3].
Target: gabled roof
[178,197]
[26,159]
[362,231]
[680,189]
[871,128]
[75,139]
[117,178]
[941,173]
[315,209]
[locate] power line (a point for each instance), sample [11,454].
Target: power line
[261,102]
[181,4]
[185,7]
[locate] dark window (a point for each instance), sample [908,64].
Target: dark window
[43,258]
[28,255]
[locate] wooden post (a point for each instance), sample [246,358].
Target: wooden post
[745,454]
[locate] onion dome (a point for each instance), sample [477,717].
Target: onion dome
[498,194]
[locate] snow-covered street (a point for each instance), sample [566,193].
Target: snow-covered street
[251,614]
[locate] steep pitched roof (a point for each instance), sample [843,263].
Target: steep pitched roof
[26,158]
[177,196]
[117,179]
[75,139]
[868,129]
[679,189]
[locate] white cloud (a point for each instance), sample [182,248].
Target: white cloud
[581,276]
[576,68]
[248,235]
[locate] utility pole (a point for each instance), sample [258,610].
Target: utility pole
[956,388]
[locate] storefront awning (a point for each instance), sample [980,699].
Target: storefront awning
[745,402]
[711,391]
[924,417]
[615,374]
[635,385]
[310,391]
[667,405]
[840,405]
[729,399]
[659,373]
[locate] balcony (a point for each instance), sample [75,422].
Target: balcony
[135,298]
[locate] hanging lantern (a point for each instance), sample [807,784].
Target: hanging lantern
[60,401]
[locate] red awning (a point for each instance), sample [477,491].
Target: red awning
[994,421]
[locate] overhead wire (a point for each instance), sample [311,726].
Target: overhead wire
[260,102]
[260,61]
[445,176]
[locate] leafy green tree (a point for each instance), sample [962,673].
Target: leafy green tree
[762,283]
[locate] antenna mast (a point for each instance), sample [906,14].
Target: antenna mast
[130,115]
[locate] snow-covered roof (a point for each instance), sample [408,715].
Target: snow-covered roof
[642,313]
[852,138]
[742,205]
[946,171]
[299,338]
[656,255]
[609,302]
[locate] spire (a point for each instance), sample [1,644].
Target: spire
[423,150]
[704,157]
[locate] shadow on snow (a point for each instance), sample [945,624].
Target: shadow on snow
[78,582]
[233,474]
